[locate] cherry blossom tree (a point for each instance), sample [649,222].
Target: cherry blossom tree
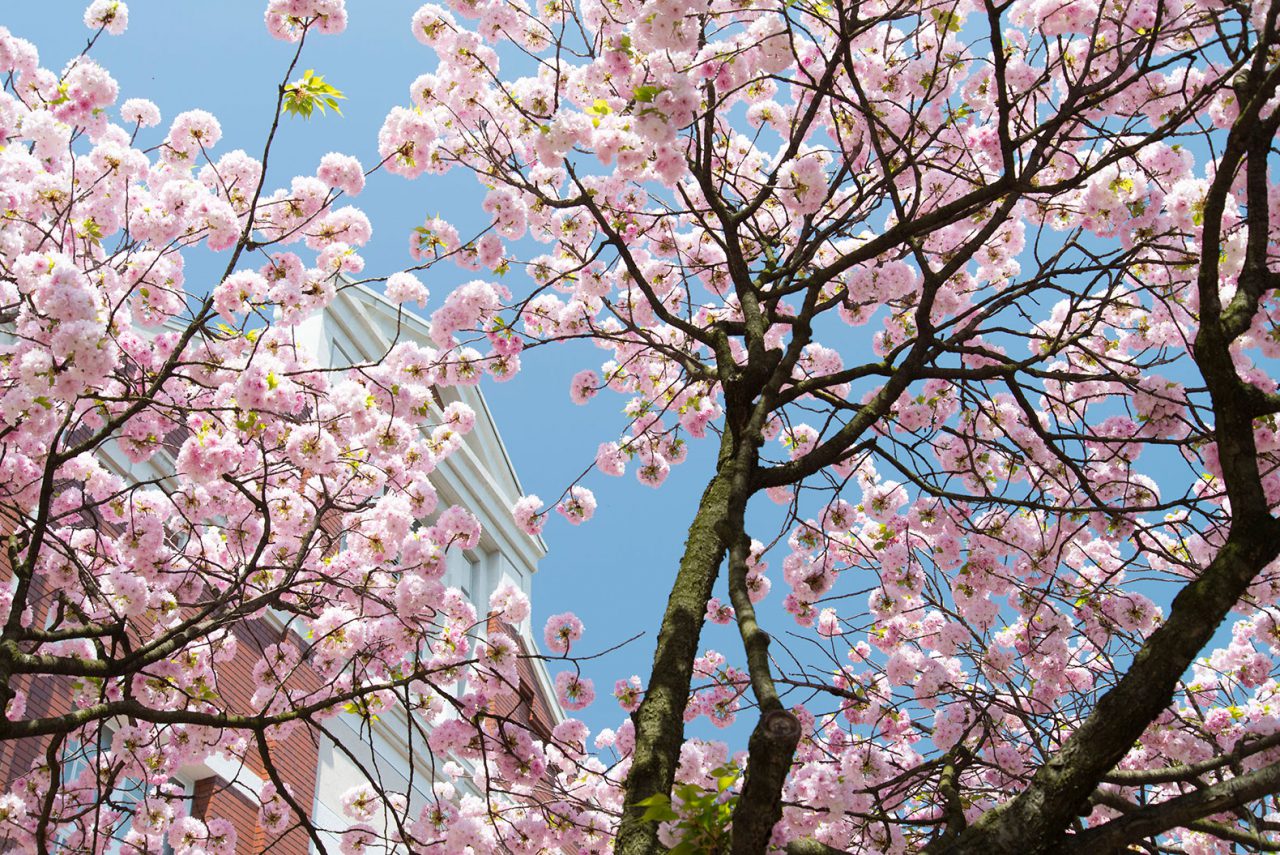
[193,504]
[983,295]
[980,296]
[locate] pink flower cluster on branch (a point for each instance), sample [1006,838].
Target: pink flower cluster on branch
[216,542]
[966,291]
[983,297]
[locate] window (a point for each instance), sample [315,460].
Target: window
[84,777]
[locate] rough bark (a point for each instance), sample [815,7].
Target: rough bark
[659,721]
[1035,821]
[770,750]
[777,732]
[1182,810]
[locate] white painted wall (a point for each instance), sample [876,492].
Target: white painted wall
[361,325]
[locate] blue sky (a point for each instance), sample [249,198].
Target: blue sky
[616,570]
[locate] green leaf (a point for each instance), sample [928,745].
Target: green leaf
[688,792]
[302,97]
[90,230]
[660,813]
[1122,185]
[946,20]
[658,809]
[645,94]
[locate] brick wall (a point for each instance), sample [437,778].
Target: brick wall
[294,758]
[529,705]
[214,797]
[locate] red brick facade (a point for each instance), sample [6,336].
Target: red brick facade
[294,760]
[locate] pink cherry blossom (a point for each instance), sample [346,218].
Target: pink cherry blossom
[109,15]
[561,631]
[578,506]
[527,514]
[574,691]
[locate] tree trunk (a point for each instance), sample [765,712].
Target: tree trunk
[659,721]
[773,742]
[1035,820]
